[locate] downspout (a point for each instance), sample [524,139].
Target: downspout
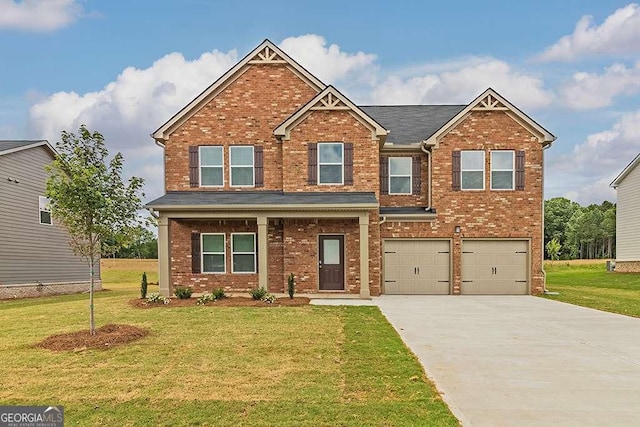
[544,273]
[428,153]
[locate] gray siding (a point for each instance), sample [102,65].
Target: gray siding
[628,218]
[31,252]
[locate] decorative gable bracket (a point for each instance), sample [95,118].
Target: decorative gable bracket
[267,56]
[490,103]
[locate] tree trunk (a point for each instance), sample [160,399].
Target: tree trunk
[92,325]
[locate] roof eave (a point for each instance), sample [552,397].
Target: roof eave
[267,207]
[626,171]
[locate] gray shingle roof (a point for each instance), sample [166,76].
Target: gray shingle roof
[410,124]
[257,198]
[6,145]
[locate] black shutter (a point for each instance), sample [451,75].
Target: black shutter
[194,180]
[258,165]
[313,163]
[195,253]
[384,175]
[416,175]
[519,170]
[348,163]
[455,171]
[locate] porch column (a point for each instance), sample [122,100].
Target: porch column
[364,255]
[263,269]
[163,255]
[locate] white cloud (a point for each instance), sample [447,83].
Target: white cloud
[38,15]
[584,174]
[618,34]
[588,90]
[329,63]
[461,85]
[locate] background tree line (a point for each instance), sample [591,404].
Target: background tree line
[141,244]
[572,231]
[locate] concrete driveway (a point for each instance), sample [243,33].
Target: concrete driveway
[521,360]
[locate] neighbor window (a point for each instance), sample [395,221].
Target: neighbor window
[241,165]
[472,170]
[213,251]
[400,175]
[211,166]
[330,163]
[45,210]
[243,250]
[502,167]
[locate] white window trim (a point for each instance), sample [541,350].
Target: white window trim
[512,170]
[484,159]
[224,253]
[253,167]
[402,176]
[46,200]
[200,166]
[254,253]
[330,164]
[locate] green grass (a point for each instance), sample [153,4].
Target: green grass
[290,366]
[590,285]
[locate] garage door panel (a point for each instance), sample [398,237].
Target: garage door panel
[494,267]
[416,267]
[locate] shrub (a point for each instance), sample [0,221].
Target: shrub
[291,285]
[183,292]
[269,298]
[157,299]
[219,293]
[258,293]
[143,286]
[205,298]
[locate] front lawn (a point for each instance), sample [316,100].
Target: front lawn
[292,366]
[590,285]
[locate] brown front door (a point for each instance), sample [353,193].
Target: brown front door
[331,261]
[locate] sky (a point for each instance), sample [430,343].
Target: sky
[124,68]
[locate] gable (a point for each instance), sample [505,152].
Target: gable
[626,172]
[12,146]
[266,53]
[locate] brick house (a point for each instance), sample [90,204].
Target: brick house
[270,172]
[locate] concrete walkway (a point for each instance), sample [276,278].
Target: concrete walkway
[524,361]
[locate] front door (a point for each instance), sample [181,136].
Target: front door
[331,263]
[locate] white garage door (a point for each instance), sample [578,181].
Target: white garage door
[494,267]
[416,267]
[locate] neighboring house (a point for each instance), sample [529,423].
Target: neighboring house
[627,185]
[269,172]
[35,257]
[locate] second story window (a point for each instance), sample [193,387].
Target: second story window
[330,163]
[502,170]
[472,170]
[241,166]
[211,166]
[400,175]
[45,210]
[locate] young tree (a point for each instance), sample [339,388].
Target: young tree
[553,249]
[89,198]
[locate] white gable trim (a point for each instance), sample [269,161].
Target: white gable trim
[330,99]
[626,171]
[490,100]
[265,53]
[32,145]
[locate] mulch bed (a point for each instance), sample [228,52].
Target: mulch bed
[106,337]
[225,302]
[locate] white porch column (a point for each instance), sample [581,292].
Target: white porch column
[163,255]
[263,269]
[364,255]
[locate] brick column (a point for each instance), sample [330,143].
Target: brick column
[163,255]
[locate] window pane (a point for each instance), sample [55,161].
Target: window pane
[400,165]
[502,160]
[211,176]
[472,180]
[400,185]
[241,175]
[212,243]
[244,263]
[330,174]
[45,217]
[330,153]
[43,203]
[213,263]
[243,243]
[502,180]
[211,156]
[331,251]
[472,159]
[241,156]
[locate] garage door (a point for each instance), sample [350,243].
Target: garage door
[494,267]
[416,267]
